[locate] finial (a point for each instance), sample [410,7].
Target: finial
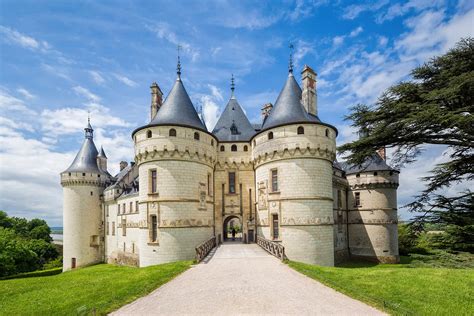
[290,65]
[178,68]
[232,85]
[88,130]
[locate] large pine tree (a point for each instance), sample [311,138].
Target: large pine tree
[434,108]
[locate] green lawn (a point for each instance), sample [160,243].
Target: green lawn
[102,288]
[400,289]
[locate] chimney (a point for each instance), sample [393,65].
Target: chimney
[266,110]
[123,165]
[382,153]
[156,99]
[309,94]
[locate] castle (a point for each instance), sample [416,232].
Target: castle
[279,179]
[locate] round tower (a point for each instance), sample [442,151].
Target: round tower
[175,155]
[372,205]
[83,183]
[293,156]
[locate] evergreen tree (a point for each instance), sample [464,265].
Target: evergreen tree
[435,108]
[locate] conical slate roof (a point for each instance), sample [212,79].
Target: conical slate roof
[233,124]
[288,108]
[86,158]
[178,110]
[102,152]
[374,163]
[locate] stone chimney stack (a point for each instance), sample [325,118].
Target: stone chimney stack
[123,165]
[309,94]
[266,110]
[156,99]
[382,152]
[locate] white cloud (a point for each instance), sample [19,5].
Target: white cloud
[25,93]
[338,40]
[163,31]
[56,70]
[86,93]
[126,80]
[97,77]
[353,11]
[356,31]
[210,110]
[23,40]
[9,103]
[401,9]
[303,48]
[216,93]
[382,41]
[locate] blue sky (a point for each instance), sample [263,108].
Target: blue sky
[61,59]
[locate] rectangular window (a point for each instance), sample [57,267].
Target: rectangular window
[153,181]
[209,184]
[231,182]
[136,206]
[131,207]
[113,228]
[73,263]
[107,210]
[154,228]
[339,198]
[124,208]
[357,199]
[118,209]
[276,232]
[274,180]
[107,229]
[339,222]
[124,227]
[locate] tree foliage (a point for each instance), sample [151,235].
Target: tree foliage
[434,108]
[24,245]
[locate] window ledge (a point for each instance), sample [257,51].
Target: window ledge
[155,243]
[276,192]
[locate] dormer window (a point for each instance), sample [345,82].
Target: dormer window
[233,129]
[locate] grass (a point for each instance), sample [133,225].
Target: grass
[409,288]
[98,289]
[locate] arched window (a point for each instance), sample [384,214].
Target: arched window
[148,134]
[358,175]
[196,136]
[270,135]
[254,143]
[172,132]
[327,132]
[212,142]
[233,148]
[222,148]
[300,130]
[246,148]
[375,173]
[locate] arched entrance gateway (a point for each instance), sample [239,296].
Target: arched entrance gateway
[231,224]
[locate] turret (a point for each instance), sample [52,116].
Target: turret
[102,160]
[83,183]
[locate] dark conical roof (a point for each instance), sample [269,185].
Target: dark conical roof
[86,158]
[233,124]
[102,152]
[288,108]
[374,163]
[178,110]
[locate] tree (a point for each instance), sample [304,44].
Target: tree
[435,108]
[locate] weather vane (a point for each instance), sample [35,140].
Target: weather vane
[290,66]
[232,84]
[89,116]
[178,68]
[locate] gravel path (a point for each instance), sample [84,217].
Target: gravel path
[243,279]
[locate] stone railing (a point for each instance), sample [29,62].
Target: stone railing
[271,247]
[203,249]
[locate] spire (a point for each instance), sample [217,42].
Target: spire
[102,153]
[89,132]
[178,67]
[232,86]
[290,64]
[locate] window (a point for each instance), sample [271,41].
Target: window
[246,148]
[153,228]
[222,148]
[212,142]
[391,173]
[108,228]
[233,148]
[113,228]
[270,135]
[153,181]
[172,132]
[276,232]
[107,210]
[73,263]
[339,198]
[118,209]
[131,207]
[136,206]
[357,199]
[358,175]
[274,180]
[254,143]
[339,222]
[148,134]
[83,174]
[92,193]
[300,130]
[124,227]
[196,136]
[231,182]
[69,173]
[327,132]
[375,173]
[209,184]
